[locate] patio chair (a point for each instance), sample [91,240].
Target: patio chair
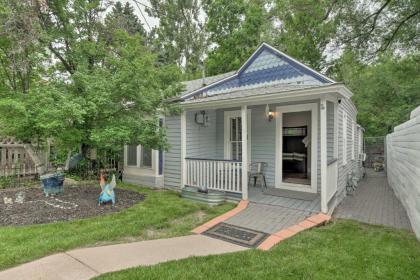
[257,170]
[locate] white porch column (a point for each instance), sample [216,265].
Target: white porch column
[323,153]
[244,120]
[183,148]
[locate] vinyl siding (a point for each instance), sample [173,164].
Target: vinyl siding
[403,166]
[330,131]
[201,140]
[172,158]
[351,165]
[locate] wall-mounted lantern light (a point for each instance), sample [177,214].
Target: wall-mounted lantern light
[268,114]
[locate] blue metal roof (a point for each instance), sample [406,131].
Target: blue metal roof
[264,66]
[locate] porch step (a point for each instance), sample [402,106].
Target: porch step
[292,194]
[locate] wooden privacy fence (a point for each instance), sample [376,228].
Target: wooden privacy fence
[374,149]
[16,160]
[403,166]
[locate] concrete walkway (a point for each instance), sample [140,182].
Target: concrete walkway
[86,263]
[374,202]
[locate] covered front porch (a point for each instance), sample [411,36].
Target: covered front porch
[295,139]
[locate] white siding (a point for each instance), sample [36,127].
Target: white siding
[172,158]
[403,166]
[345,108]
[201,140]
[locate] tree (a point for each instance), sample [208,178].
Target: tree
[19,39]
[236,28]
[376,26]
[123,18]
[384,93]
[305,29]
[180,36]
[93,93]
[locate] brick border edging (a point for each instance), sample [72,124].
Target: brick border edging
[241,206]
[279,236]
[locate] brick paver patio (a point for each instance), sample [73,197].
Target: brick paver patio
[374,202]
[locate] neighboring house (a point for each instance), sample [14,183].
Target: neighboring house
[275,110]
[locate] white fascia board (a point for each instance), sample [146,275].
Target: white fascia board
[298,95]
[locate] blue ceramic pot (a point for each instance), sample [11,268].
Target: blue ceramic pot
[52,183]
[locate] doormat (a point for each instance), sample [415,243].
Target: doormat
[238,235]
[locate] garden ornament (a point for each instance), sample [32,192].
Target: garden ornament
[7,200]
[20,197]
[107,194]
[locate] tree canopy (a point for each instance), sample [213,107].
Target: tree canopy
[79,80]
[86,72]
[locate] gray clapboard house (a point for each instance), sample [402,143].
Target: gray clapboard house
[273,113]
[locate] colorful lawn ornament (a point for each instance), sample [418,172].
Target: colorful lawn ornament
[107,194]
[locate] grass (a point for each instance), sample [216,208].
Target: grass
[162,214]
[341,250]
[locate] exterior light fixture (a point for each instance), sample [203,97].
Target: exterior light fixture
[268,114]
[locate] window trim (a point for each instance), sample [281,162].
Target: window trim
[141,158]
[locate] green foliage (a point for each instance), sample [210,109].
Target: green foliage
[123,18]
[179,39]
[373,27]
[102,87]
[385,93]
[236,27]
[306,28]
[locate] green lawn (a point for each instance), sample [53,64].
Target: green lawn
[162,214]
[340,250]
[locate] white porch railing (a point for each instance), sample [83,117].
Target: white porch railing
[221,175]
[331,179]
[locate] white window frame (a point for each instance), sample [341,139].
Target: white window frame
[227,147]
[345,138]
[280,110]
[155,159]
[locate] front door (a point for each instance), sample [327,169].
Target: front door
[296,146]
[233,135]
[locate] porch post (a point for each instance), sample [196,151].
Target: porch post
[183,148]
[323,153]
[244,120]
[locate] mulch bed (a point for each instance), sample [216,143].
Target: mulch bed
[74,203]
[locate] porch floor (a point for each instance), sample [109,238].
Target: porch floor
[268,218]
[257,196]
[270,214]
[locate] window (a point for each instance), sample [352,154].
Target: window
[132,155]
[146,157]
[345,138]
[236,138]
